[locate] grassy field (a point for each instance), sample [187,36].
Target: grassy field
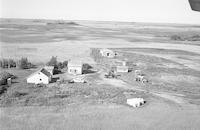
[168,54]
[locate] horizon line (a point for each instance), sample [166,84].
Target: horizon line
[101,21]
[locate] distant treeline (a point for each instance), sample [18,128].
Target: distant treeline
[62,23]
[23,63]
[54,62]
[185,38]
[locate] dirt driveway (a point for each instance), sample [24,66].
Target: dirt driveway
[173,97]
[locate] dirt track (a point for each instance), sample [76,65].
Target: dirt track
[174,97]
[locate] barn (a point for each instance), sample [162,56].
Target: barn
[41,76]
[75,67]
[107,53]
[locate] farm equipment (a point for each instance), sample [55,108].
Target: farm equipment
[111,74]
[140,77]
[78,79]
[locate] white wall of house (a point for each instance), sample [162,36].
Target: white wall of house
[39,78]
[74,70]
[122,69]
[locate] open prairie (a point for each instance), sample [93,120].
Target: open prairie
[169,54]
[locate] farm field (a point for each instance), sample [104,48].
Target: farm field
[168,54]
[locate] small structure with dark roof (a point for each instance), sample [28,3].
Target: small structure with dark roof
[41,76]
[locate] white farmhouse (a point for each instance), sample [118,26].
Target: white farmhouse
[107,53]
[41,76]
[75,67]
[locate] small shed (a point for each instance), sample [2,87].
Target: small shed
[122,69]
[4,76]
[107,53]
[75,67]
[41,76]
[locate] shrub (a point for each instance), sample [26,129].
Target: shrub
[185,37]
[18,94]
[87,66]
[195,38]
[1,63]
[4,76]
[73,23]
[176,38]
[11,63]
[56,70]
[3,88]
[65,63]
[60,65]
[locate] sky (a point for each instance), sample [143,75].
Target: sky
[167,11]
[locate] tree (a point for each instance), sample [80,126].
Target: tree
[53,61]
[5,63]
[11,63]
[60,65]
[23,63]
[1,63]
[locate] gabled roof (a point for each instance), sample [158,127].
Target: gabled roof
[49,67]
[44,71]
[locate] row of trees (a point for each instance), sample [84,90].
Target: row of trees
[96,55]
[23,63]
[54,62]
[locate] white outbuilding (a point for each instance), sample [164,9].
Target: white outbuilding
[75,67]
[107,53]
[121,66]
[41,76]
[135,102]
